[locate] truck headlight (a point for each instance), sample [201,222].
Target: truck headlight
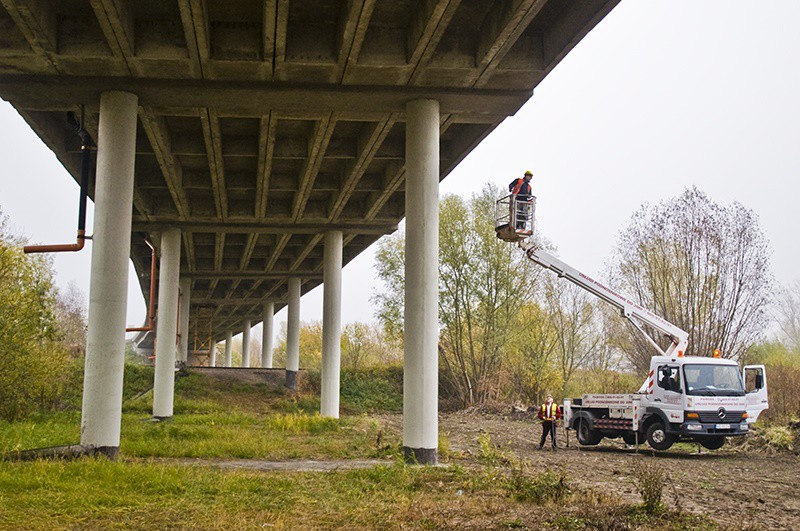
[694,427]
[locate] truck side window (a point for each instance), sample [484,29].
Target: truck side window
[754,380]
[669,378]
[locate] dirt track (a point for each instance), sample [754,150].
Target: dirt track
[735,488]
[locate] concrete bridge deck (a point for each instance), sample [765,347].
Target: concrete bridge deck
[262,124]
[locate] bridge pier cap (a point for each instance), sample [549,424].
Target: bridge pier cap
[421,333]
[101,412]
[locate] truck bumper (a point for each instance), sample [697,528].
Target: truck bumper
[697,428]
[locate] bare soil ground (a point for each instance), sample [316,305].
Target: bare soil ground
[737,489]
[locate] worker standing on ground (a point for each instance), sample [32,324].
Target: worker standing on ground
[549,413]
[521,191]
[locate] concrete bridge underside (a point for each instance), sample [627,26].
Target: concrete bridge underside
[263,126]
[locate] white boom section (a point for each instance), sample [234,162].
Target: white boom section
[629,309]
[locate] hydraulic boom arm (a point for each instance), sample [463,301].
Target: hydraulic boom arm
[629,309]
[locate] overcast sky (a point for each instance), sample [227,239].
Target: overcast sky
[660,96]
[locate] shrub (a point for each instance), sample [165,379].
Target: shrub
[35,363]
[650,479]
[540,489]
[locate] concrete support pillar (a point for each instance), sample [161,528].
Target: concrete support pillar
[183,326]
[266,335]
[212,361]
[421,333]
[246,344]
[331,324]
[101,412]
[293,334]
[167,324]
[228,349]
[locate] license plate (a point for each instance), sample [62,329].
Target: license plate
[723,426]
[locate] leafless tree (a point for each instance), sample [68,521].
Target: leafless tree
[70,313]
[576,325]
[701,266]
[788,309]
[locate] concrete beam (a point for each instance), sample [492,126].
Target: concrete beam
[251,275]
[318,144]
[267,227]
[60,93]
[266,147]
[213,140]
[503,28]
[156,129]
[368,143]
[427,28]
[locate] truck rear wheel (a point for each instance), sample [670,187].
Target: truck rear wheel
[712,443]
[586,435]
[658,438]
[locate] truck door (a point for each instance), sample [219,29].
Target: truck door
[755,385]
[668,392]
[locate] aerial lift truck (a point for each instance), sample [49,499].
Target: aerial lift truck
[684,398]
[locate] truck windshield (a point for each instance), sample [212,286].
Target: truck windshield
[713,380]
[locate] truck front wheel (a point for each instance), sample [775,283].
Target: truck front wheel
[658,438]
[712,443]
[586,435]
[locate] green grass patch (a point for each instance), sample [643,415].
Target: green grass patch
[100,494]
[373,389]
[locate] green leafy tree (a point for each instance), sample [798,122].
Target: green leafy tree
[310,345]
[33,360]
[483,285]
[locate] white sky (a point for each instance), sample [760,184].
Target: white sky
[662,95]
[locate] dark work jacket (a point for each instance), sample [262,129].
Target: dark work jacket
[521,188]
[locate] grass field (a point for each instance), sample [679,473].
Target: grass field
[167,476]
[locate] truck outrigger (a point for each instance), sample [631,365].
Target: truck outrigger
[684,398]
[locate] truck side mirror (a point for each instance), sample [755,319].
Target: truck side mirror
[759,380]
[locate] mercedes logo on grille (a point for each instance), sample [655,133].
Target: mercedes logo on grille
[721,413]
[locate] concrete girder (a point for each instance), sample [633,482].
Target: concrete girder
[323,130]
[55,93]
[156,130]
[213,139]
[348,227]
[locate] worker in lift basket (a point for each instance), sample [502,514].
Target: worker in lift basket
[522,192]
[549,413]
